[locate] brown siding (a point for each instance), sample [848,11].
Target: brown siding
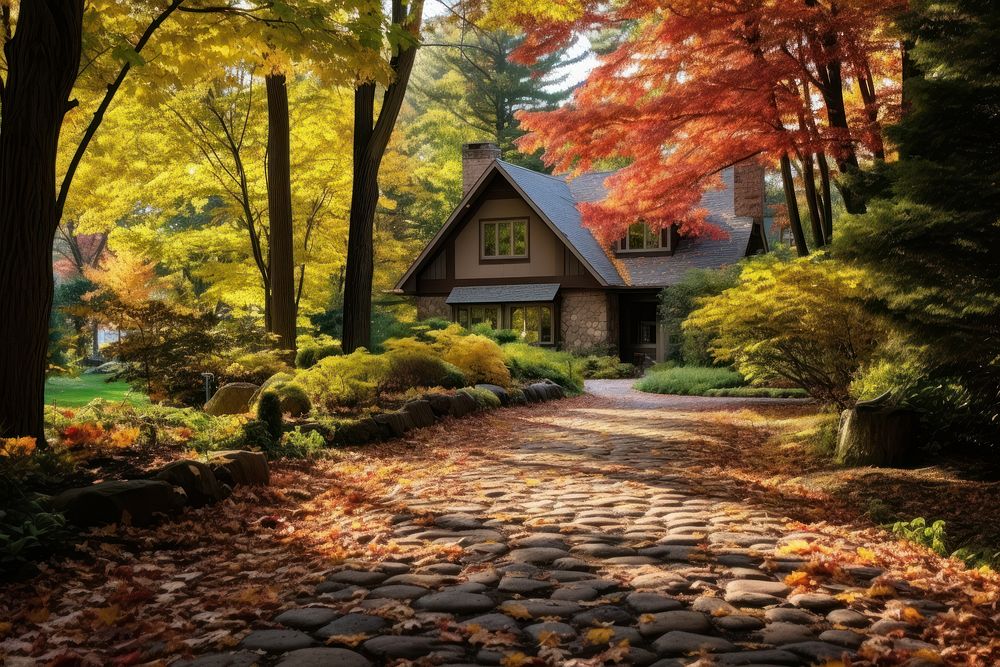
[544,248]
[437,269]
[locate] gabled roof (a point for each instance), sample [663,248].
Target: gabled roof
[555,200]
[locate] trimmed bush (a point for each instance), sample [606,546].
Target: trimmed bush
[269,412]
[299,444]
[410,368]
[689,380]
[255,367]
[308,356]
[498,336]
[595,367]
[478,358]
[347,381]
[294,399]
[257,434]
[530,363]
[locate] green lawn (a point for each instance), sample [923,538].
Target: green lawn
[73,392]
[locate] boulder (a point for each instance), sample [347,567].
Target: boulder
[549,391]
[543,390]
[394,424]
[440,404]
[497,391]
[197,480]
[240,467]
[421,413]
[135,501]
[358,432]
[462,404]
[556,391]
[232,399]
[533,395]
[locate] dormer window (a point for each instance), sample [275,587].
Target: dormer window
[504,239]
[640,238]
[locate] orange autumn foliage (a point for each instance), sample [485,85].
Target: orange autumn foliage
[696,86]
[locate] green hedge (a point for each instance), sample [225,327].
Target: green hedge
[689,380]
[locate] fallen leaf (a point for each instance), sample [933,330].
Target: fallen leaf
[598,636]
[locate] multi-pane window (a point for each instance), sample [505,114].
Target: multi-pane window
[504,238]
[470,316]
[533,323]
[640,237]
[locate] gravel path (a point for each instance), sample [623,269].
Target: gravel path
[590,541]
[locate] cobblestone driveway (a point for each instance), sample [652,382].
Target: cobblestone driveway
[589,531]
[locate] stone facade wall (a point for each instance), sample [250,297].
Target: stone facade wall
[432,306]
[585,320]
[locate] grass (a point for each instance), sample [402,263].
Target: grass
[74,392]
[688,380]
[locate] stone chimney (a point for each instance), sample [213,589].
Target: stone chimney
[748,189]
[476,159]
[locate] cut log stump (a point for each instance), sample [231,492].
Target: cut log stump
[873,434]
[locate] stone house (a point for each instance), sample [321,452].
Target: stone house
[515,254]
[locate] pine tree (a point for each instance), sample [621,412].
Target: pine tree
[932,232]
[468,72]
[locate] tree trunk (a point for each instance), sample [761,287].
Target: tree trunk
[794,221]
[42,59]
[360,237]
[279,203]
[371,137]
[875,435]
[824,179]
[812,201]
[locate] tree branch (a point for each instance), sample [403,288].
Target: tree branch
[98,118]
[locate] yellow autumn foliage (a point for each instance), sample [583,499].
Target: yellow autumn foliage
[801,321]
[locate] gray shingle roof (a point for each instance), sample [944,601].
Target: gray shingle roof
[558,197]
[503,293]
[555,199]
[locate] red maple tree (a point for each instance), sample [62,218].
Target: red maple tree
[694,86]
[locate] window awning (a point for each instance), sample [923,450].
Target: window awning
[503,294]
